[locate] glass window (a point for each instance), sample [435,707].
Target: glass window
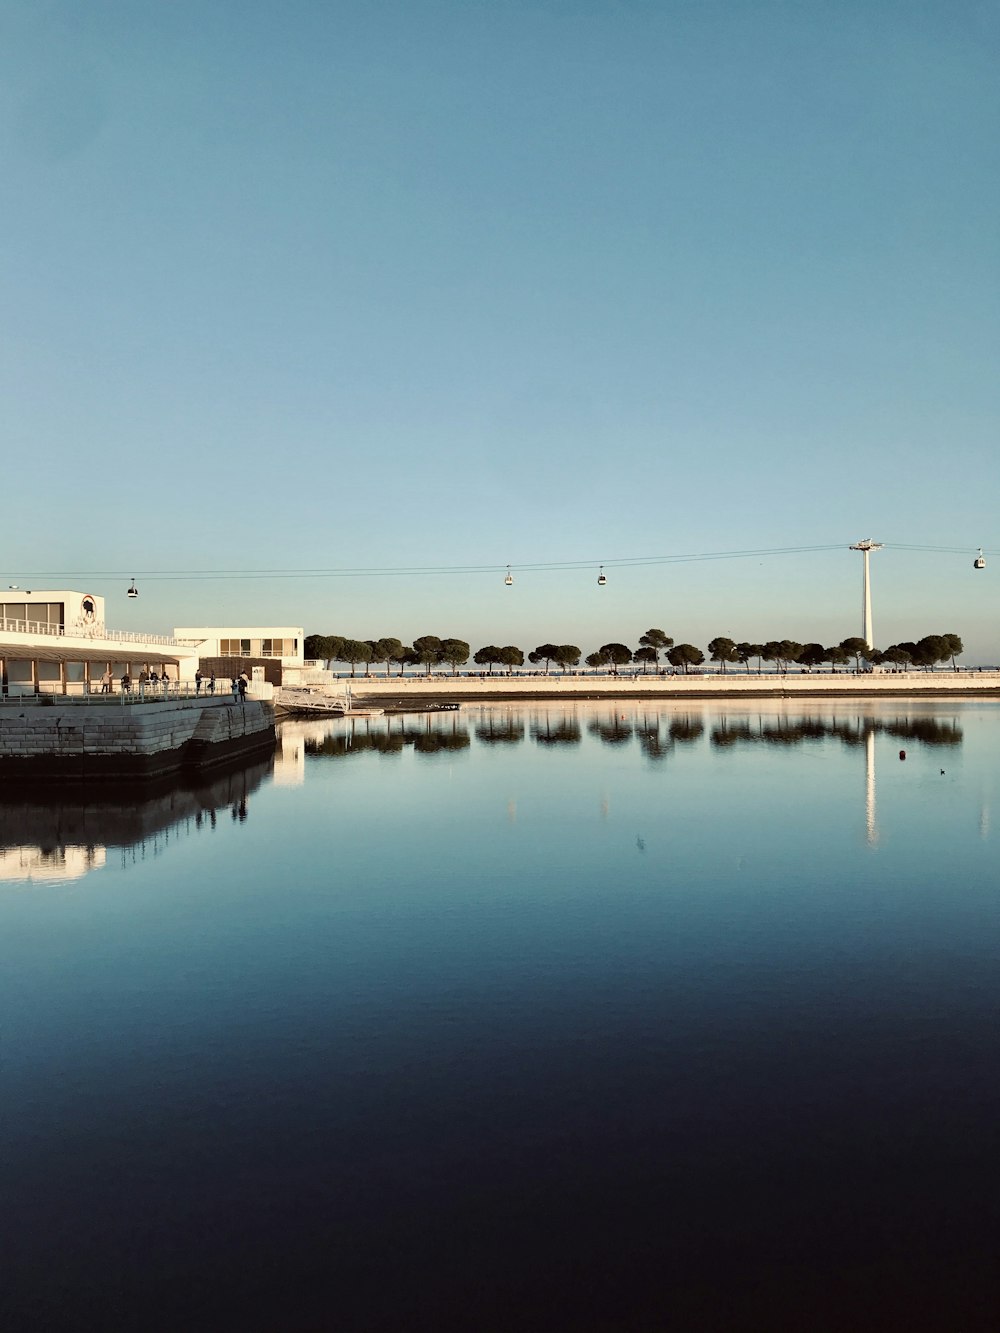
[245,647]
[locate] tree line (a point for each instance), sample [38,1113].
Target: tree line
[430,651]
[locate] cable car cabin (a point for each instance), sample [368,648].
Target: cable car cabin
[979,562]
[133,591]
[601,578]
[509,580]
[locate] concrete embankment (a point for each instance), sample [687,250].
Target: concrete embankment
[109,741]
[416,690]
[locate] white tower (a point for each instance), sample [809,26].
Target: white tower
[866,547]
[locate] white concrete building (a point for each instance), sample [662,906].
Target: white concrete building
[56,641]
[283,642]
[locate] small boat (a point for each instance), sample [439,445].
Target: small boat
[415,706]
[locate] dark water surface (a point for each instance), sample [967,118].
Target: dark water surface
[525,1017]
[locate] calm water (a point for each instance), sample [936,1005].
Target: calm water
[525,1017]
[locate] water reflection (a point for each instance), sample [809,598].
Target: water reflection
[63,834]
[658,733]
[389,736]
[561,731]
[927,730]
[632,976]
[500,730]
[54,832]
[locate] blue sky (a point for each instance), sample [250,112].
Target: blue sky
[321,286]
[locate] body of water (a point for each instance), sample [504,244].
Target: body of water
[643,1016]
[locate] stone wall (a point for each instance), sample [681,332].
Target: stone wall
[111,740]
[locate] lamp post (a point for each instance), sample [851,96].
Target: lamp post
[866,547]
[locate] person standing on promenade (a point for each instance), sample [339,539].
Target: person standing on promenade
[211,683]
[236,688]
[242,683]
[197,681]
[106,682]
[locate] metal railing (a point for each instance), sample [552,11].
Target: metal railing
[95,631]
[49,693]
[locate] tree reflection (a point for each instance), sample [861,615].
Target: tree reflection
[426,739]
[505,730]
[616,731]
[785,731]
[658,734]
[686,728]
[560,731]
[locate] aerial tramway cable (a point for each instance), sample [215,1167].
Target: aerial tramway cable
[537,566]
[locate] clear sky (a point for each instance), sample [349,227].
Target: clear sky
[401,284]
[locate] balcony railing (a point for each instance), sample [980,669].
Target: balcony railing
[48,693]
[95,631]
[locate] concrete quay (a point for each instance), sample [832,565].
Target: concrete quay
[415,690]
[41,740]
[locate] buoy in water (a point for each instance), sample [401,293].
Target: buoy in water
[902,754]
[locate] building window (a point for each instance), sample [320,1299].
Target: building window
[234,647]
[35,613]
[275,647]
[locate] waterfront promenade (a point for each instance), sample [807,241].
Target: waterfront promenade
[388,691]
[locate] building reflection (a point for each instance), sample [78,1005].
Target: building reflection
[42,865]
[61,832]
[293,736]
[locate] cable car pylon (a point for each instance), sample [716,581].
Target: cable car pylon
[866,547]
